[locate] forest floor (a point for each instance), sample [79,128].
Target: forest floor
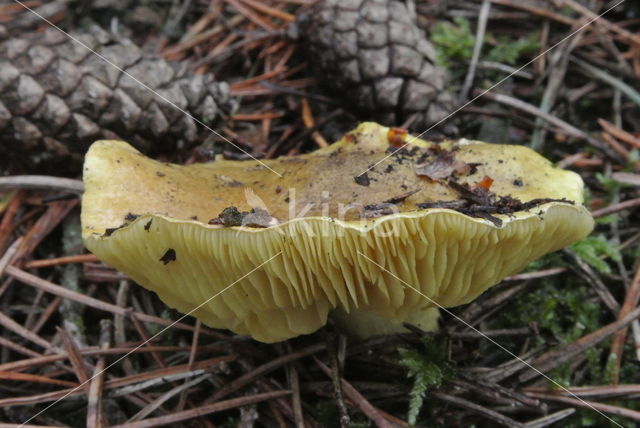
[569,87]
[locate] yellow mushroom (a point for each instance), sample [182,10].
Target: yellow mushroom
[333,237]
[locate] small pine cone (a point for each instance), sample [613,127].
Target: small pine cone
[372,53]
[57,97]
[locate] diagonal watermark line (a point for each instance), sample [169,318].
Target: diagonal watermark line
[442,308]
[494,86]
[144,85]
[150,339]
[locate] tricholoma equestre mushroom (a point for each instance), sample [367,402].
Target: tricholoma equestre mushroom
[372,228]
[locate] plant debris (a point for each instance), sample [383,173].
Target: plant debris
[401,197]
[109,231]
[362,179]
[479,201]
[388,206]
[442,164]
[396,137]
[169,256]
[257,217]
[131,217]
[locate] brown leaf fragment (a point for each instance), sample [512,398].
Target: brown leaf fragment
[257,217]
[396,136]
[169,256]
[229,217]
[362,179]
[444,165]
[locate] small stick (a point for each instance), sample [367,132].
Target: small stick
[247,378]
[488,413]
[6,225]
[257,116]
[111,384]
[76,360]
[41,182]
[46,314]
[8,255]
[594,280]
[550,419]
[598,391]
[276,13]
[620,134]
[336,376]
[611,209]
[543,12]
[172,52]
[567,128]
[296,400]
[95,416]
[151,407]
[11,325]
[483,17]
[558,65]
[537,274]
[144,335]
[608,78]
[120,335]
[631,38]
[615,145]
[627,178]
[251,16]
[17,348]
[38,359]
[617,344]
[591,405]
[57,290]
[309,122]
[26,377]
[362,403]
[194,343]
[252,80]
[79,258]
[173,418]
[565,353]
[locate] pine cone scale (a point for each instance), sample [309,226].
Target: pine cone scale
[376,52]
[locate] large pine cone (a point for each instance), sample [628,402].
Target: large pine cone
[56,97]
[372,53]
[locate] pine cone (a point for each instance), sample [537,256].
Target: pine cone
[56,97]
[372,53]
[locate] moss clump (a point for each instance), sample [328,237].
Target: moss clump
[428,370]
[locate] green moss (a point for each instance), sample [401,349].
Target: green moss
[563,311]
[428,370]
[453,41]
[507,50]
[593,249]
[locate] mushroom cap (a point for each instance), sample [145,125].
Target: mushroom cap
[149,220]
